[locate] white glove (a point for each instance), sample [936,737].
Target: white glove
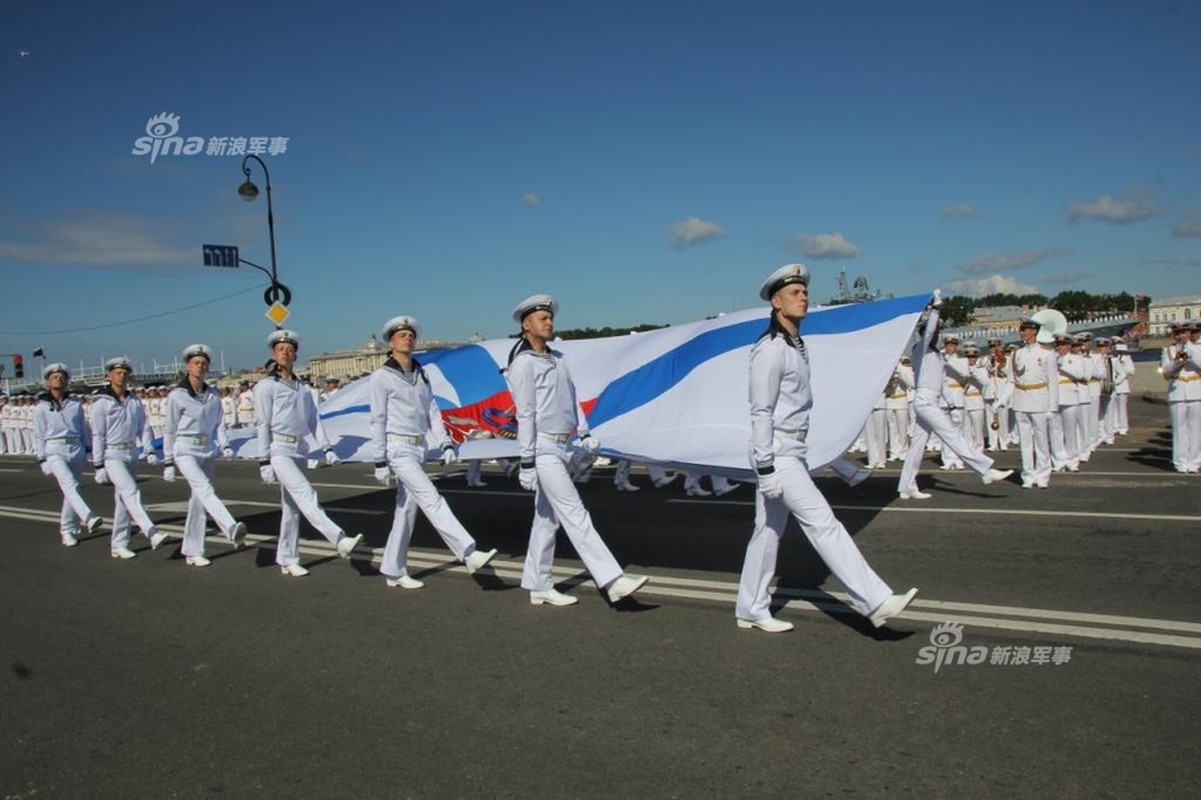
[331,458]
[528,478]
[151,458]
[449,456]
[936,300]
[590,444]
[383,476]
[45,465]
[770,485]
[169,473]
[267,473]
[227,452]
[102,476]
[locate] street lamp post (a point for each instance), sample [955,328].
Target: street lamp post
[248,192]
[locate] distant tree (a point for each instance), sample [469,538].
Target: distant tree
[957,310]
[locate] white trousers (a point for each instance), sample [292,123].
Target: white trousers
[67,468]
[898,432]
[1186,434]
[1034,438]
[1106,421]
[13,438]
[877,433]
[997,439]
[198,471]
[829,538]
[415,490]
[932,419]
[1121,414]
[1066,431]
[297,497]
[557,501]
[27,441]
[127,501]
[1093,416]
[621,475]
[973,427]
[949,456]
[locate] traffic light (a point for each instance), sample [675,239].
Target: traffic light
[18,366]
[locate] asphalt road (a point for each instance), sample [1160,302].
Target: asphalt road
[147,678]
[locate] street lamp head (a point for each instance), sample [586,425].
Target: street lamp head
[248,191]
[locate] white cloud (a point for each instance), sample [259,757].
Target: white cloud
[993,284]
[98,239]
[1136,206]
[531,199]
[1189,226]
[694,230]
[996,262]
[827,245]
[959,210]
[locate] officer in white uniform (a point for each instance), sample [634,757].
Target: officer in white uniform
[548,418]
[1035,387]
[955,376]
[286,416]
[896,401]
[931,419]
[1112,371]
[973,397]
[119,425]
[3,424]
[245,405]
[403,416]
[193,437]
[25,421]
[1121,387]
[780,401]
[1064,427]
[997,392]
[59,438]
[229,408]
[1181,367]
[1091,411]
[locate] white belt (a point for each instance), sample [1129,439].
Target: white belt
[407,438]
[201,439]
[798,435]
[120,446]
[67,439]
[561,438]
[285,438]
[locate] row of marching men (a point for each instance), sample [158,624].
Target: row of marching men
[1180,365]
[1090,394]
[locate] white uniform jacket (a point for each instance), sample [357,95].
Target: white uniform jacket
[118,426]
[1035,379]
[403,405]
[194,424]
[544,394]
[58,428]
[286,416]
[1073,379]
[780,396]
[1183,376]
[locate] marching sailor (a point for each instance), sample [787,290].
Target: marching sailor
[548,418]
[193,436]
[403,415]
[286,415]
[59,440]
[781,399]
[1181,367]
[1035,379]
[119,425]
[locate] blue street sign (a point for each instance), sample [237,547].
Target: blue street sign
[220,255]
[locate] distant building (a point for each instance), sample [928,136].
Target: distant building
[349,364]
[1163,311]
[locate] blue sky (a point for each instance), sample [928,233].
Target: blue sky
[644,162]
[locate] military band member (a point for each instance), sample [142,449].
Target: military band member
[1064,428]
[1035,388]
[193,437]
[548,418]
[1181,367]
[1112,371]
[781,400]
[403,415]
[245,395]
[59,444]
[876,433]
[7,406]
[1121,389]
[25,424]
[931,419]
[973,397]
[229,408]
[896,402]
[119,426]
[1089,415]
[955,377]
[156,410]
[286,415]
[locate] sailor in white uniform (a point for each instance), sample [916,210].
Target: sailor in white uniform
[780,400]
[1121,387]
[548,418]
[119,426]
[1181,368]
[404,416]
[1064,427]
[929,373]
[286,416]
[59,440]
[955,372]
[896,401]
[193,437]
[1035,394]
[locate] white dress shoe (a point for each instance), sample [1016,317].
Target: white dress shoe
[93,524]
[476,484]
[70,540]
[696,491]
[859,476]
[894,605]
[294,571]
[552,597]
[769,624]
[627,487]
[478,560]
[156,539]
[625,586]
[347,544]
[918,495]
[405,582]
[237,535]
[197,561]
[123,552]
[994,475]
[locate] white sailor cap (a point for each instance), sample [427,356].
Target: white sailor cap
[193,350]
[950,338]
[536,302]
[283,335]
[1029,322]
[397,323]
[971,349]
[57,366]
[1084,336]
[120,362]
[1103,341]
[1064,338]
[789,273]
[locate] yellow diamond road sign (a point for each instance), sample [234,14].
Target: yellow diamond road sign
[278,313]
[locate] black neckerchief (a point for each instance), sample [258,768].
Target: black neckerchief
[107,391]
[46,397]
[774,329]
[186,385]
[416,371]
